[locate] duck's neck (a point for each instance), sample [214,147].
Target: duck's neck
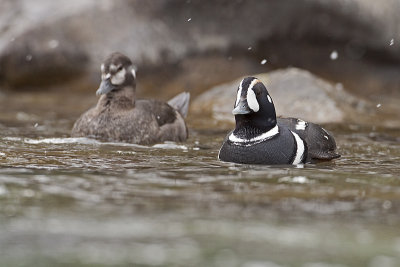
[123,98]
[252,125]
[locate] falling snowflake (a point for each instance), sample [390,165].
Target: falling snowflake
[334,55]
[263,61]
[53,44]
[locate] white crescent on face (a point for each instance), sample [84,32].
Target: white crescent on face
[251,96]
[119,77]
[252,100]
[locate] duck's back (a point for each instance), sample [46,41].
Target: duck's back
[321,144]
[149,121]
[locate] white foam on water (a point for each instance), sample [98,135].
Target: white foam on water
[3,190]
[80,140]
[170,145]
[295,179]
[125,152]
[89,141]
[77,140]
[8,138]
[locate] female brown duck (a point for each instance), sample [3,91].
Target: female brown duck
[120,117]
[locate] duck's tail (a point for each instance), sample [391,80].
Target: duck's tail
[181,103]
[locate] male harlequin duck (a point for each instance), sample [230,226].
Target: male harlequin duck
[261,138]
[119,116]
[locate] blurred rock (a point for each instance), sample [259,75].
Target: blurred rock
[163,37]
[296,93]
[34,59]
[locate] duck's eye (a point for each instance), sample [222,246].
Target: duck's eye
[119,69]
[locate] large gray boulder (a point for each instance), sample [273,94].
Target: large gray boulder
[296,93]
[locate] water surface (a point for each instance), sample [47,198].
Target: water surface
[79,202]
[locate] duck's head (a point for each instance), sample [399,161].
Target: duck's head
[254,105]
[117,72]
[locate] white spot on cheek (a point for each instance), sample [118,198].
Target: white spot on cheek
[119,77]
[269,99]
[105,76]
[252,100]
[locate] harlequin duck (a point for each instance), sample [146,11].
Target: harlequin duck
[119,116]
[260,138]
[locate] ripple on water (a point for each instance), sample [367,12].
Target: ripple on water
[68,197]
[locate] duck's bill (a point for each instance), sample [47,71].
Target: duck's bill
[241,108]
[105,87]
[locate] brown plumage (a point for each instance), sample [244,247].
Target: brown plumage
[119,116]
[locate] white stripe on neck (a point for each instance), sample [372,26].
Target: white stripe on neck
[267,135]
[300,149]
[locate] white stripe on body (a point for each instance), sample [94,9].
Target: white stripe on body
[300,149]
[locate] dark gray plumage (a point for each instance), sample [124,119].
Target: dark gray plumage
[321,143]
[278,150]
[119,116]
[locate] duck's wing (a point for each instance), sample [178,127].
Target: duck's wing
[321,143]
[181,103]
[161,111]
[170,125]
